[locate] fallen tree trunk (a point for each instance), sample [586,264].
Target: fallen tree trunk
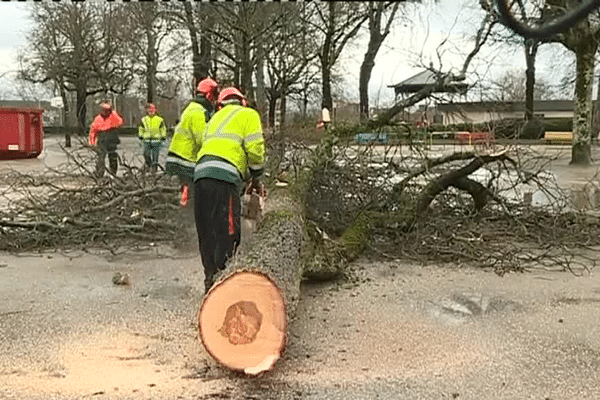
[243,318]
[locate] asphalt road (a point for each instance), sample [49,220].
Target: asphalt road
[397,331]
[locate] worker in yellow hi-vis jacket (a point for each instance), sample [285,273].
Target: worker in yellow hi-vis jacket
[232,152]
[152,132]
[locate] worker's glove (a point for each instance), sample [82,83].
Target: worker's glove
[256,186]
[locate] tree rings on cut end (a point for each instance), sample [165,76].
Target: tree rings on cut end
[243,322]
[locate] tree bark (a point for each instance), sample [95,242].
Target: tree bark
[81,106]
[581,152]
[456,178]
[376,38]
[152,57]
[196,57]
[65,114]
[261,98]
[531,48]
[326,55]
[271,113]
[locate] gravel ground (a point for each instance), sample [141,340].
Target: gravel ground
[393,331]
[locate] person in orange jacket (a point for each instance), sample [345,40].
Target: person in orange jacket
[103,134]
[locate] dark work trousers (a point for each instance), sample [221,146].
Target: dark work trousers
[217,209]
[151,153]
[107,145]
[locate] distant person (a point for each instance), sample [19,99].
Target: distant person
[232,152]
[153,133]
[325,120]
[103,134]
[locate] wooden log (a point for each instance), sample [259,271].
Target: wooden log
[243,318]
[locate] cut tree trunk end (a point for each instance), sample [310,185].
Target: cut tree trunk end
[242,322]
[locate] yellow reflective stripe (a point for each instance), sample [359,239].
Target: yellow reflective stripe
[224,135]
[253,137]
[145,122]
[177,160]
[225,122]
[217,164]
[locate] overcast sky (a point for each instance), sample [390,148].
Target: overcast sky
[13,28]
[414,43]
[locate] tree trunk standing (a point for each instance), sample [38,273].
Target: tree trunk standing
[246,72]
[81,106]
[65,114]
[533,127]
[205,59]
[243,319]
[196,57]
[272,106]
[582,119]
[261,98]
[326,58]
[282,107]
[531,48]
[596,116]
[152,58]
[376,38]
[339,22]
[363,86]
[327,98]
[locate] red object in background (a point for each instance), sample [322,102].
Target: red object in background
[185,194]
[21,133]
[486,138]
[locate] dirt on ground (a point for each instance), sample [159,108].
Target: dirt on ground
[393,331]
[389,329]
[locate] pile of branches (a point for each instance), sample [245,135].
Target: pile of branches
[496,240]
[463,208]
[491,226]
[69,207]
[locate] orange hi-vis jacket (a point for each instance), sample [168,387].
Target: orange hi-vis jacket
[113,121]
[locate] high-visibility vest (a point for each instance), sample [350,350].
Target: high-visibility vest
[232,146]
[185,144]
[113,121]
[152,127]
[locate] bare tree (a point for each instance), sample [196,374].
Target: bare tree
[200,38]
[240,31]
[582,39]
[291,52]
[376,13]
[80,48]
[337,23]
[512,86]
[155,46]
[576,25]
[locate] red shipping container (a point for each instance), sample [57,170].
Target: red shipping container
[21,133]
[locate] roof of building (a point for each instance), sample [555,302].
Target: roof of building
[424,78]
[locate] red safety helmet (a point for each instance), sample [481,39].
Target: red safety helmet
[105,105]
[208,87]
[228,93]
[151,109]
